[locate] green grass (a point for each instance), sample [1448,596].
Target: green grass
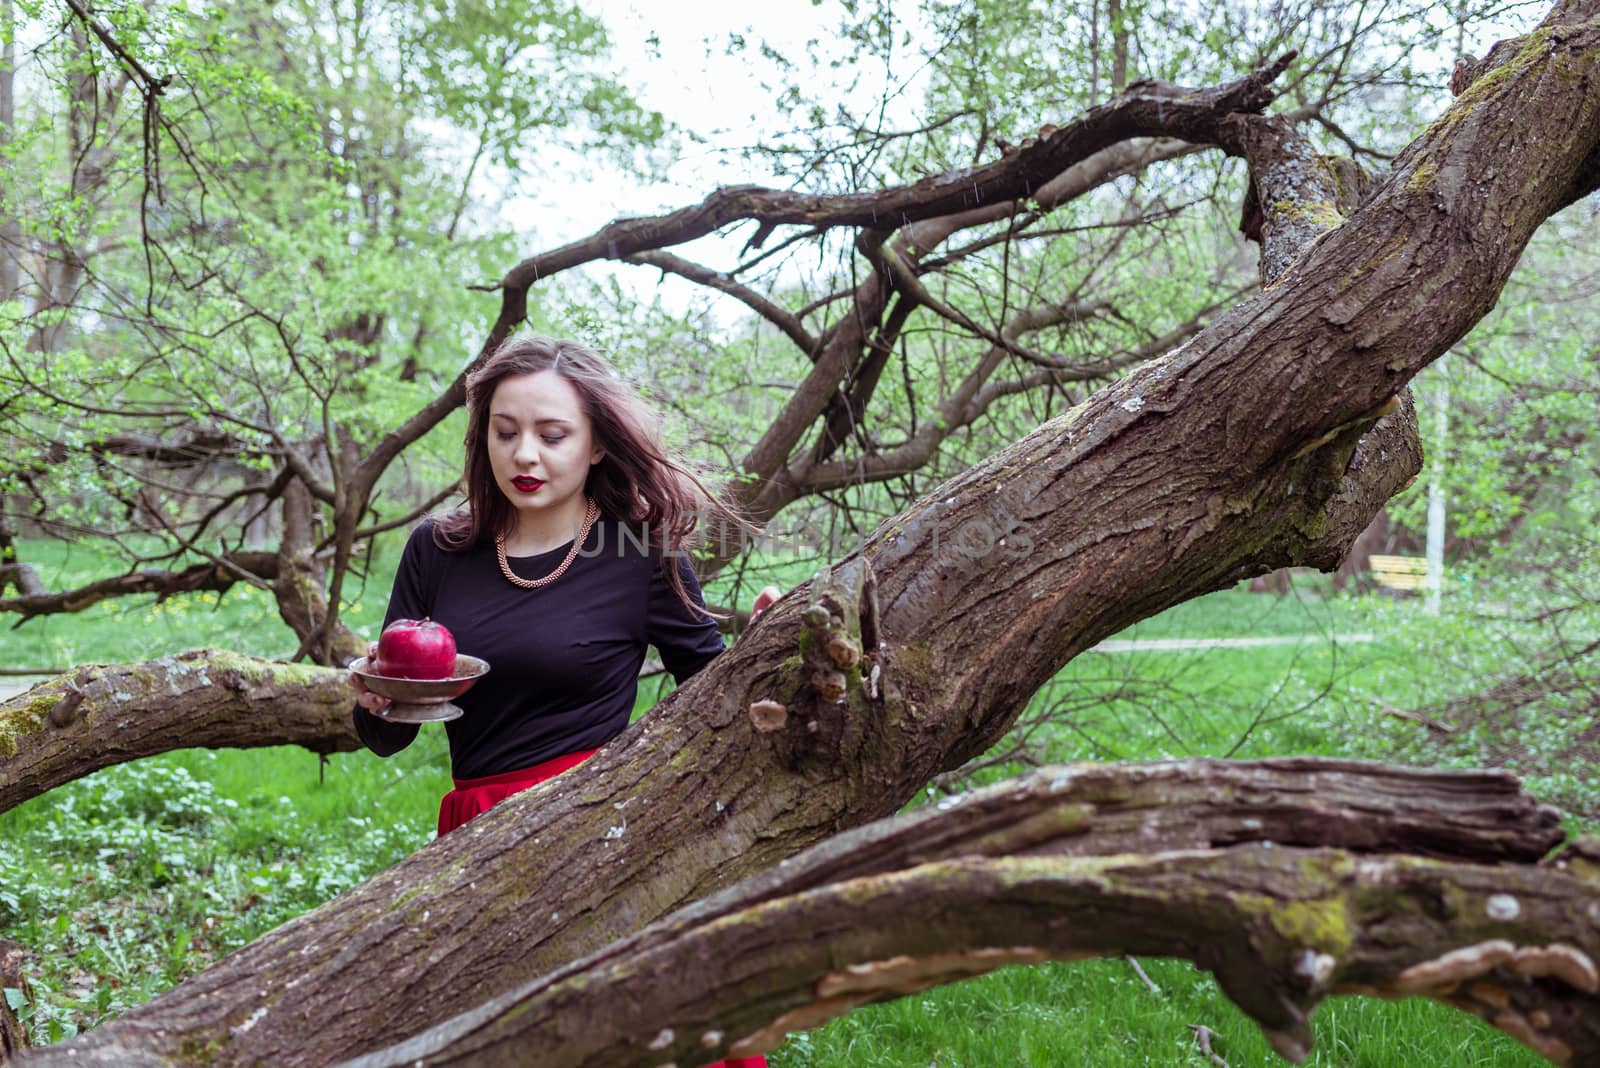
[129,880]
[1208,702]
[1240,613]
[1100,1014]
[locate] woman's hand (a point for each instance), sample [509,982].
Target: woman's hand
[764,600]
[372,702]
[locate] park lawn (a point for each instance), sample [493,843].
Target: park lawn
[129,880]
[1100,1014]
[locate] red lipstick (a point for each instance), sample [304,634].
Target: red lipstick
[527,484]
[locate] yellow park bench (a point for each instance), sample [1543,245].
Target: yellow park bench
[1399,572]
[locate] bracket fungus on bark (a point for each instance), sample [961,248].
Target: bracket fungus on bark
[1447,973]
[908,975]
[861,984]
[768,716]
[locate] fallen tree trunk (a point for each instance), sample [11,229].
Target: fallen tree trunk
[104,714]
[1239,452]
[806,959]
[1287,878]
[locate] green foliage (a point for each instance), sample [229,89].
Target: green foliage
[280,266]
[1509,416]
[1511,681]
[125,883]
[1508,424]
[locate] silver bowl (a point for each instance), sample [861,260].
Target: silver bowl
[421,700]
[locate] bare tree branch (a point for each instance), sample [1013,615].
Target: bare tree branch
[207,577]
[788,324]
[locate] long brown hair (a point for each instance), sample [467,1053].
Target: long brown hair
[637,481]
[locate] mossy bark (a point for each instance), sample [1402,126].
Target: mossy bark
[1288,879]
[104,714]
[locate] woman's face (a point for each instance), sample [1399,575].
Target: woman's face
[541,445]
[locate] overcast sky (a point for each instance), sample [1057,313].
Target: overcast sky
[675,57]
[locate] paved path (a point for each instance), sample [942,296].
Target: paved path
[10,685]
[1139,645]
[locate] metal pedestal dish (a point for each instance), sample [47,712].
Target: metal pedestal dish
[421,700]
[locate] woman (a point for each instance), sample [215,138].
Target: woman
[564,565]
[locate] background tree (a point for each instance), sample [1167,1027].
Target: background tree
[294,290]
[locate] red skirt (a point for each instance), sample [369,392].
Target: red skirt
[474,797]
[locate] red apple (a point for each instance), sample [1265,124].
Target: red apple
[416,649]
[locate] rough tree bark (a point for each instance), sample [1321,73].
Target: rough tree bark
[13,975]
[1241,451]
[106,714]
[1316,863]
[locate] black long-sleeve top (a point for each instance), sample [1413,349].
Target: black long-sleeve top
[563,659]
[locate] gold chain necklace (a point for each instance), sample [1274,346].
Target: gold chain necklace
[590,514]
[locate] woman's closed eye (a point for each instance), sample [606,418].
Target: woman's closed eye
[548,439]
